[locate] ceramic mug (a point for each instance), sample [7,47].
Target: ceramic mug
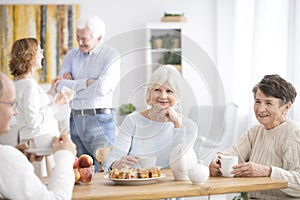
[44,141]
[146,162]
[227,162]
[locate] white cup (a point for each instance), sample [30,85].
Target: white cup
[227,162]
[44,141]
[146,162]
[65,89]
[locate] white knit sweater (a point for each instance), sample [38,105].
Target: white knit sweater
[278,148]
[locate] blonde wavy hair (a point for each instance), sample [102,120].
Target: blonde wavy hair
[22,56]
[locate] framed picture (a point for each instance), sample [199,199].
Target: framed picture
[53,25]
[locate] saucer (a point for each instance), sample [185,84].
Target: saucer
[40,152]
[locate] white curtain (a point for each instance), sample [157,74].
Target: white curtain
[262,37]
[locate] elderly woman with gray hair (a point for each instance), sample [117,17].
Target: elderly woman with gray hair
[271,148]
[154,131]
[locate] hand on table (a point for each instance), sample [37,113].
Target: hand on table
[250,169]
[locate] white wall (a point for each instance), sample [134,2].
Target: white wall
[124,16]
[121,16]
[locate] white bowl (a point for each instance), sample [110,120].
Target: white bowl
[198,174]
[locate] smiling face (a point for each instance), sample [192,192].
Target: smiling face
[85,40]
[268,110]
[163,96]
[37,60]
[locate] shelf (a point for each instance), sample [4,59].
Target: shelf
[164,42]
[161,50]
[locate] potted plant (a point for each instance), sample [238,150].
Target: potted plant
[126,109]
[168,41]
[173,17]
[171,58]
[242,196]
[156,42]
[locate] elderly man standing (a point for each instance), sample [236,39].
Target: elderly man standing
[18,180]
[92,71]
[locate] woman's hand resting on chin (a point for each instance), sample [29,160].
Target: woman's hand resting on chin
[169,114]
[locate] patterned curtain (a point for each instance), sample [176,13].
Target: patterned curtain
[53,25]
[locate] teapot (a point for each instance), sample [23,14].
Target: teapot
[181,159]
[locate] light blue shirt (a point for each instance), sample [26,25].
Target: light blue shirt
[140,136]
[101,64]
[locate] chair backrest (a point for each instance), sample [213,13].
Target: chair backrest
[101,155]
[216,126]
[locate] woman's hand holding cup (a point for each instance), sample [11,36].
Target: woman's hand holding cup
[64,142]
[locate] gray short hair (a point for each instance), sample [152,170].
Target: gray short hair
[95,24]
[275,86]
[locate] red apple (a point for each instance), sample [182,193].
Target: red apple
[76,163]
[86,174]
[85,161]
[77,175]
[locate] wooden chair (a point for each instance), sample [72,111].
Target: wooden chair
[101,156]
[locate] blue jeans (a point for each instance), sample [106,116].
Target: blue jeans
[91,132]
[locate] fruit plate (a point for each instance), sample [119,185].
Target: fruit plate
[40,152]
[140,181]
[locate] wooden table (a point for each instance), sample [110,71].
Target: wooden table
[167,187]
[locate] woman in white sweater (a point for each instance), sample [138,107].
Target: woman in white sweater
[272,148]
[156,130]
[36,107]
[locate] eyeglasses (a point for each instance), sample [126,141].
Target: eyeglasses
[13,104]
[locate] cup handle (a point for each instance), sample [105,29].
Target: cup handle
[221,170]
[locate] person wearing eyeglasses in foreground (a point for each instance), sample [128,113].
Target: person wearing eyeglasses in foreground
[270,149]
[36,107]
[18,180]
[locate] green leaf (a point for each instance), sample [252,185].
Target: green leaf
[126,109]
